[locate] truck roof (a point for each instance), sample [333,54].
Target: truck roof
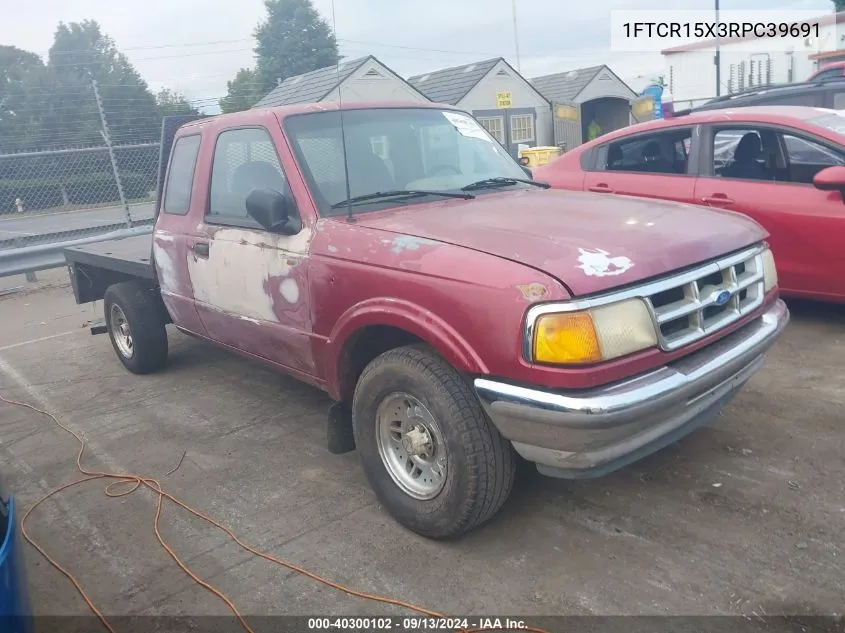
[303,108]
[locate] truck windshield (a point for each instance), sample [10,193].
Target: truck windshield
[389,149]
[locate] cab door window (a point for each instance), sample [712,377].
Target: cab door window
[661,153]
[244,159]
[745,153]
[771,155]
[805,158]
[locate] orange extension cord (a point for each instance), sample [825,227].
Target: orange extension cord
[135,482]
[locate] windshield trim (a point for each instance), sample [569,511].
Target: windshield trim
[324,208]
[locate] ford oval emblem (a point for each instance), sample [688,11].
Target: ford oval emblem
[723,297]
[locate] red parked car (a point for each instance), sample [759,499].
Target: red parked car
[783,166]
[834,70]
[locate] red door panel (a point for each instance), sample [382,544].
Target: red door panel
[642,185]
[807,228]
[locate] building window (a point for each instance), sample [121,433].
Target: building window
[522,128]
[494,125]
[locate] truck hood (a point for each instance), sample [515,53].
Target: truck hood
[590,242]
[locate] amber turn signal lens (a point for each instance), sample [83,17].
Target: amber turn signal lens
[566,338]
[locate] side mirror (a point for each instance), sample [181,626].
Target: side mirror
[274,211]
[831,179]
[523,160]
[528,172]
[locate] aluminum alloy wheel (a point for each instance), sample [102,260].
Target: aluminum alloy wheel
[411,445]
[120,331]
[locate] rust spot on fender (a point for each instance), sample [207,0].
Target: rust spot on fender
[533,291]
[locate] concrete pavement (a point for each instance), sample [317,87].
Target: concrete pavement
[741,518]
[12,226]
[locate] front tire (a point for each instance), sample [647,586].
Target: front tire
[432,457]
[135,327]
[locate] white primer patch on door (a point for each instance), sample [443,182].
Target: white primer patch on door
[289,290]
[165,262]
[234,279]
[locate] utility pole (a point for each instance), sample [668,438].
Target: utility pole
[516,38]
[107,138]
[717,59]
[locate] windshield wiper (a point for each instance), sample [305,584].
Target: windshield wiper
[395,193]
[502,181]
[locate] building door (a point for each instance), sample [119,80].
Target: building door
[567,116]
[512,127]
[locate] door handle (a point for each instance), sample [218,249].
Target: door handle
[201,249]
[717,199]
[600,188]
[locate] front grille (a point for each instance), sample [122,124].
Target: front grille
[692,305]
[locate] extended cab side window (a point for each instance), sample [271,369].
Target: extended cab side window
[180,179]
[661,153]
[244,159]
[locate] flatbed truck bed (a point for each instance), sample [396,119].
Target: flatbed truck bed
[94,267]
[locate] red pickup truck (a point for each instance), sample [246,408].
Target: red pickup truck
[459,313]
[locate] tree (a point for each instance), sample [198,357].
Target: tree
[243,92]
[170,102]
[293,40]
[839,5]
[21,74]
[81,52]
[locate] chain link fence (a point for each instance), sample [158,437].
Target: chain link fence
[78,166]
[66,180]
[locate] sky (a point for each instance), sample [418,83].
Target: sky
[195,47]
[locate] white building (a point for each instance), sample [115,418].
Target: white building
[690,70]
[356,80]
[502,100]
[582,96]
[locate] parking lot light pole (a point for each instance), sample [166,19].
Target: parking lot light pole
[717,59]
[516,37]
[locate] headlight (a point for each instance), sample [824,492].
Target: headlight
[594,335]
[770,272]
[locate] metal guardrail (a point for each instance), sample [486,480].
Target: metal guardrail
[37,255]
[24,241]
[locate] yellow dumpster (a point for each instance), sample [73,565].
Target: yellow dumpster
[536,156]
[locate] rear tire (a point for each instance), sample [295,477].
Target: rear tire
[135,326]
[415,417]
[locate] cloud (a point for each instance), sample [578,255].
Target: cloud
[196,48]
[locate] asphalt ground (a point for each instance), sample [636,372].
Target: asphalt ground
[744,517]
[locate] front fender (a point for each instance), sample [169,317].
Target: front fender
[404,315]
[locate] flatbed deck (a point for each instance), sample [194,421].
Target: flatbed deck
[94,267]
[129,255]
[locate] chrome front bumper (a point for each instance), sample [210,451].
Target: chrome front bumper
[588,433]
